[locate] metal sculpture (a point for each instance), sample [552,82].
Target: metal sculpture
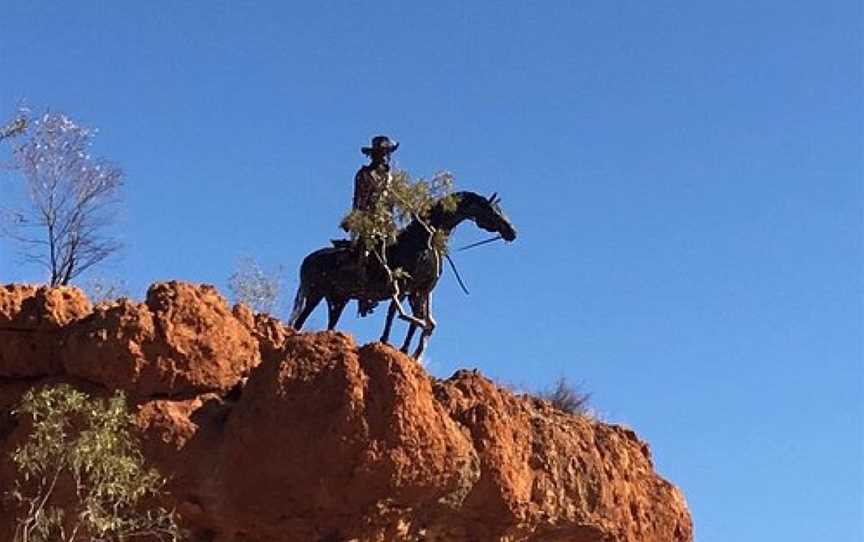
[410,268]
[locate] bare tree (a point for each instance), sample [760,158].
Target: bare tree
[69,198]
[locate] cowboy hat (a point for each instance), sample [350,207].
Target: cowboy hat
[380,144]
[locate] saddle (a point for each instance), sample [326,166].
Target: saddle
[342,243]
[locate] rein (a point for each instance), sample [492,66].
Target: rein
[472,245]
[453,265]
[456,272]
[477,244]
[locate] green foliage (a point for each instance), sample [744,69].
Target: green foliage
[404,200]
[251,285]
[84,446]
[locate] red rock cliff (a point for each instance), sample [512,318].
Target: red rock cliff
[268,435]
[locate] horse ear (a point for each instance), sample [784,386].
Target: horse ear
[492,197]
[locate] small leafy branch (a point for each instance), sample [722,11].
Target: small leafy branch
[16,126]
[83,449]
[405,199]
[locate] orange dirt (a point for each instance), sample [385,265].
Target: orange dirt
[269,435]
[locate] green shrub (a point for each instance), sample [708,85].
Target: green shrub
[84,446]
[405,199]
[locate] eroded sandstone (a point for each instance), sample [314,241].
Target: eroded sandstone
[269,435]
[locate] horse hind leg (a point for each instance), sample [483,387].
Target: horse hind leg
[334,311]
[406,344]
[302,311]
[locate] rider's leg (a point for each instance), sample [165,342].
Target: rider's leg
[364,304]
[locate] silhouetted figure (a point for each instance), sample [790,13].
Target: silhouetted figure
[332,273]
[370,185]
[373,179]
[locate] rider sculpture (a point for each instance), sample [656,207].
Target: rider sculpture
[360,269]
[371,184]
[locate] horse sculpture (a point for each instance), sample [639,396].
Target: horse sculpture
[333,274]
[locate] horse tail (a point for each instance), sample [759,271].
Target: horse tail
[300,300]
[310,291]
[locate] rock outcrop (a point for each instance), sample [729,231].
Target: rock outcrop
[182,341]
[30,320]
[269,435]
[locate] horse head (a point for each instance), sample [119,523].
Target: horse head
[486,213]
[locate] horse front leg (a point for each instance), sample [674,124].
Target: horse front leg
[406,344]
[427,329]
[303,309]
[388,324]
[395,297]
[416,303]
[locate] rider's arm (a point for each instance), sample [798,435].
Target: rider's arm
[364,190]
[358,190]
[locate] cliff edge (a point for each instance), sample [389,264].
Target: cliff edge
[270,435]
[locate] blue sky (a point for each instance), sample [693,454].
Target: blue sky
[686,178]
